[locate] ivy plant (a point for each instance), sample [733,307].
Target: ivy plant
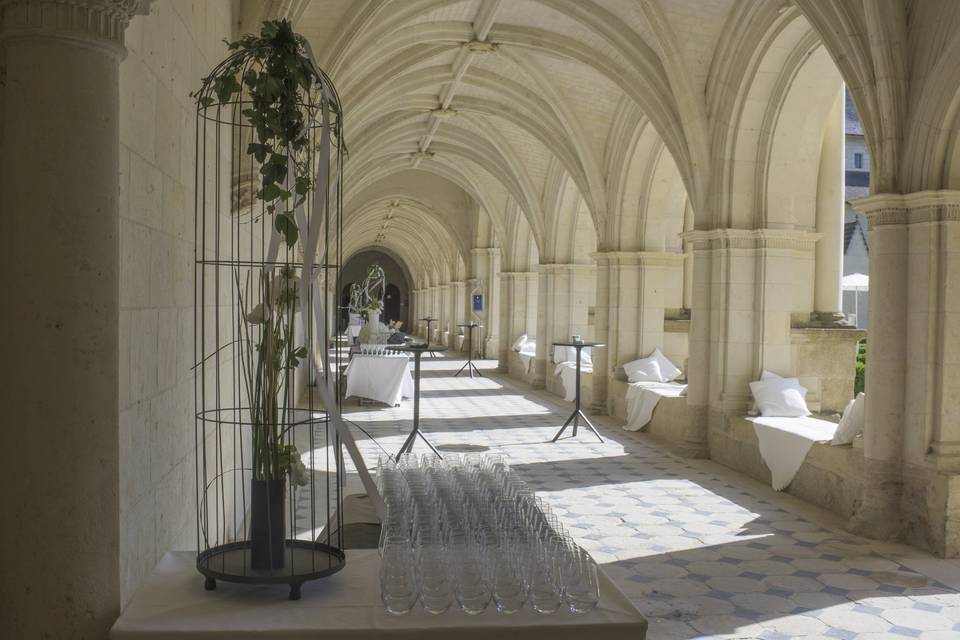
[273,77]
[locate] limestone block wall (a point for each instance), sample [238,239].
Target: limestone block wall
[169,51]
[825,362]
[831,476]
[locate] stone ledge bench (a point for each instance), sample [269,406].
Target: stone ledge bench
[670,422]
[830,476]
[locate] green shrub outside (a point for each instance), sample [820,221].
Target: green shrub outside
[860,380]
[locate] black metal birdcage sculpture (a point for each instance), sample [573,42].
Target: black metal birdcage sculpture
[269,170]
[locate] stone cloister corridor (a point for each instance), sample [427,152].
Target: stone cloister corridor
[664,177]
[703,552]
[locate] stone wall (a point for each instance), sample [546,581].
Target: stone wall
[169,51]
[830,476]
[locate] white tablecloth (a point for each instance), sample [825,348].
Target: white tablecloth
[568,377]
[172,604]
[526,358]
[642,399]
[785,442]
[385,378]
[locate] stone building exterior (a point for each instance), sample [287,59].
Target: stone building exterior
[856,248]
[667,173]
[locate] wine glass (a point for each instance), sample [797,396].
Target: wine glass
[398,581]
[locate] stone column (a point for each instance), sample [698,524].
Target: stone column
[485,267]
[912,429]
[827,303]
[602,368]
[436,311]
[458,308]
[446,315]
[517,311]
[565,292]
[413,325]
[743,288]
[59,254]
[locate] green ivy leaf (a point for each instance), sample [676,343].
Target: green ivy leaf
[286,225]
[269,193]
[225,86]
[302,186]
[270,29]
[258,151]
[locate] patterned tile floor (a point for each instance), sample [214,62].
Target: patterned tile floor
[702,551]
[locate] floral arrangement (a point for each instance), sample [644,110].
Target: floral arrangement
[267,365]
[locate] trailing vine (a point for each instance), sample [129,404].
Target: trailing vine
[272,73]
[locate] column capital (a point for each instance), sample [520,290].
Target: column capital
[91,23]
[640,258]
[485,251]
[884,209]
[786,239]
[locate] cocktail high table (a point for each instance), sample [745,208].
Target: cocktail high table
[470,367]
[430,322]
[578,414]
[417,353]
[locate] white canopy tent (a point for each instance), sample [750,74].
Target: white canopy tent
[856,282]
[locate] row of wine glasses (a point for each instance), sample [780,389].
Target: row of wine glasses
[377,349]
[467,530]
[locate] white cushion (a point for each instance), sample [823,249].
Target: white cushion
[529,347]
[851,423]
[586,359]
[766,375]
[780,397]
[518,344]
[564,354]
[668,370]
[643,370]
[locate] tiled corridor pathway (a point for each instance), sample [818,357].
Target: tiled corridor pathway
[703,552]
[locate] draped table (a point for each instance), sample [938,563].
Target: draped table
[172,605]
[384,378]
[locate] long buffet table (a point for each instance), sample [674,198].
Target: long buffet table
[173,605]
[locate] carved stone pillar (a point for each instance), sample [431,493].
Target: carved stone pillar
[912,428]
[518,311]
[633,290]
[744,283]
[59,253]
[565,292]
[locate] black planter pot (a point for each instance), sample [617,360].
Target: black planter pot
[267,525]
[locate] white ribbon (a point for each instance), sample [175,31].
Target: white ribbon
[309,239]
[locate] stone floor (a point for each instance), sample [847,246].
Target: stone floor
[703,552]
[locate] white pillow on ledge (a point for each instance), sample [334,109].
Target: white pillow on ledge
[529,347]
[851,423]
[668,370]
[518,344]
[780,397]
[643,370]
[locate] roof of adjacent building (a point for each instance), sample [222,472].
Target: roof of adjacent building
[851,229]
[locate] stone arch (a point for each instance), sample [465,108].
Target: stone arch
[770,126]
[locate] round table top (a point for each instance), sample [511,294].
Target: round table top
[470,325]
[579,344]
[427,319]
[419,349]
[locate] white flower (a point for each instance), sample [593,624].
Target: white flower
[257,316]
